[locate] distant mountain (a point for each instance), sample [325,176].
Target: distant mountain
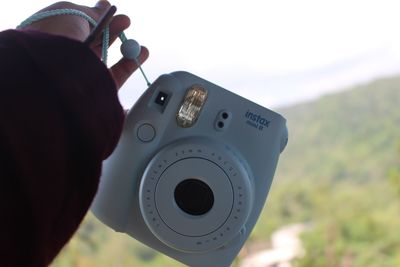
[334,174]
[348,135]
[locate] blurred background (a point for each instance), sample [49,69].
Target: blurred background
[332,68]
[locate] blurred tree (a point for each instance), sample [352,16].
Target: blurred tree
[394,174]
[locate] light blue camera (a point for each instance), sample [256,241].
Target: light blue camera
[191,171]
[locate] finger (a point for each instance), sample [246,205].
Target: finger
[123,69]
[97,11]
[118,24]
[101,24]
[102,5]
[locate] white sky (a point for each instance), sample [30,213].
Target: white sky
[274,52]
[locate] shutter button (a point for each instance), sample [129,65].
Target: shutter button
[146,132]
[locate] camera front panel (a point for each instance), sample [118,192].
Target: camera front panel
[192,170]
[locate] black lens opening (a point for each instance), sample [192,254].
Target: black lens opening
[194,197]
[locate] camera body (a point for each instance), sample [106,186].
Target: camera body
[192,170]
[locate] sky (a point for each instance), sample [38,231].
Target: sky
[273,52]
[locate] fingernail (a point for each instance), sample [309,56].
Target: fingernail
[102,4]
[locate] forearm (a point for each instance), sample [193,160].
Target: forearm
[59,118]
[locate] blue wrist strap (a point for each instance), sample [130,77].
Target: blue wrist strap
[67,11]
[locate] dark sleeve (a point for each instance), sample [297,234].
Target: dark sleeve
[59,118]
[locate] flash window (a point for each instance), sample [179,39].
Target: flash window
[191,106]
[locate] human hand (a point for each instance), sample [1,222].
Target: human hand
[78,28]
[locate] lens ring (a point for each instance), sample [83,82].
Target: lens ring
[211,163]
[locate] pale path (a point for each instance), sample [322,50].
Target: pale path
[286,246]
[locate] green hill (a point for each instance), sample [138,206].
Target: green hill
[334,174]
[349,135]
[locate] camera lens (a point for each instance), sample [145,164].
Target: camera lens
[194,197]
